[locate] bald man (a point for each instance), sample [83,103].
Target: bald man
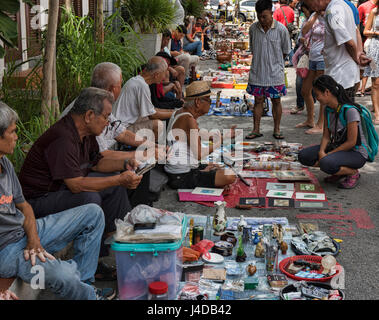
[134,106]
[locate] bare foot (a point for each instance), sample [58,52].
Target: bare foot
[314,130]
[305,124]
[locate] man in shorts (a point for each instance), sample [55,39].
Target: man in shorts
[270,44]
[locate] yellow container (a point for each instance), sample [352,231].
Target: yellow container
[240,86]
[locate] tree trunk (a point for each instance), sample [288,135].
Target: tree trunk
[99,21]
[54,97]
[49,60]
[68,5]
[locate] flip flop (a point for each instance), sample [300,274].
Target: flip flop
[278,136]
[253,135]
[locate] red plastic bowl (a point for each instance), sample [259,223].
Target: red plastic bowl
[315,259]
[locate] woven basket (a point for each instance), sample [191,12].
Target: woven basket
[315,259]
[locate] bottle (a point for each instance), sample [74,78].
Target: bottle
[208,228]
[241,224]
[190,233]
[158,291]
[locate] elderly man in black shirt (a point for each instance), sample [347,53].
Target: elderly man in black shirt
[64,168]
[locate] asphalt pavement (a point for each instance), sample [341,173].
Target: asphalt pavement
[352,215]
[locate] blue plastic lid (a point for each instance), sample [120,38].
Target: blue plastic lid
[152,247]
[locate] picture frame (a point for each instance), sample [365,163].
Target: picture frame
[280,203]
[280,186]
[279,194]
[311,205]
[307,187]
[310,196]
[255,202]
[294,175]
[208,191]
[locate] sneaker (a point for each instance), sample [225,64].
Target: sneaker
[350,182]
[105,293]
[333,178]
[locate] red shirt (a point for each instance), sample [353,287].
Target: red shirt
[290,15]
[364,10]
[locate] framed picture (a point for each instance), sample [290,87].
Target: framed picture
[280,186]
[306,187]
[279,194]
[280,203]
[256,202]
[311,205]
[208,191]
[310,196]
[295,175]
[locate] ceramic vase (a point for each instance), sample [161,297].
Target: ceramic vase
[220,219]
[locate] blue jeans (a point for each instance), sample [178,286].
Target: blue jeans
[299,96]
[84,226]
[194,48]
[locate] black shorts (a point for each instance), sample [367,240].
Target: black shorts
[194,178]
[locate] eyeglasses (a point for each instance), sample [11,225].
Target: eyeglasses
[207,99]
[113,126]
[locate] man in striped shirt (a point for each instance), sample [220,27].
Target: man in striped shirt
[269,43]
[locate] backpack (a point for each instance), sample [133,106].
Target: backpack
[368,128]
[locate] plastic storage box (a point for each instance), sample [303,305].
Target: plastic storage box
[140,264]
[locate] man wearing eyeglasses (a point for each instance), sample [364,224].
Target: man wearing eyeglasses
[64,168]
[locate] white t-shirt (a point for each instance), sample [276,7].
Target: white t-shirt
[107,139]
[134,101]
[339,29]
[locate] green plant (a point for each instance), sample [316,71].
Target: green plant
[149,16]
[193,8]
[8,27]
[78,53]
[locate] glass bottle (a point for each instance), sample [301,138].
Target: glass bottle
[208,227]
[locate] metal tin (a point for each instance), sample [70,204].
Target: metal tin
[198,234]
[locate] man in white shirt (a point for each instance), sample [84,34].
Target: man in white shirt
[343,48]
[134,107]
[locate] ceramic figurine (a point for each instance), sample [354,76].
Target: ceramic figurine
[241,224]
[241,255]
[220,219]
[251,269]
[256,238]
[259,250]
[283,247]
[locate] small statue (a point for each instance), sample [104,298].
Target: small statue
[220,219]
[241,224]
[259,250]
[275,231]
[283,247]
[241,255]
[256,238]
[251,269]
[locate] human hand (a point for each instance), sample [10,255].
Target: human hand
[321,155]
[33,249]
[363,59]
[8,295]
[129,179]
[132,164]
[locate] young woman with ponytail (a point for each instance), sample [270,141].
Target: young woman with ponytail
[341,152]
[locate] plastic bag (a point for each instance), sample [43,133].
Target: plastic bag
[203,247]
[302,68]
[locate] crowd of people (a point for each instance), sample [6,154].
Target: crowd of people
[82,173]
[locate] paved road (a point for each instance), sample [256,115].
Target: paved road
[354,216]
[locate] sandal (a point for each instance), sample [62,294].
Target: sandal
[105,272]
[350,182]
[253,135]
[296,110]
[278,136]
[360,94]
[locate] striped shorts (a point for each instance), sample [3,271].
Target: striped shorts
[268,92]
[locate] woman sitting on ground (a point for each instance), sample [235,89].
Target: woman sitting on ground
[342,150]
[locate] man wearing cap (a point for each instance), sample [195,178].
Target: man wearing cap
[184,59]
[185,149]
